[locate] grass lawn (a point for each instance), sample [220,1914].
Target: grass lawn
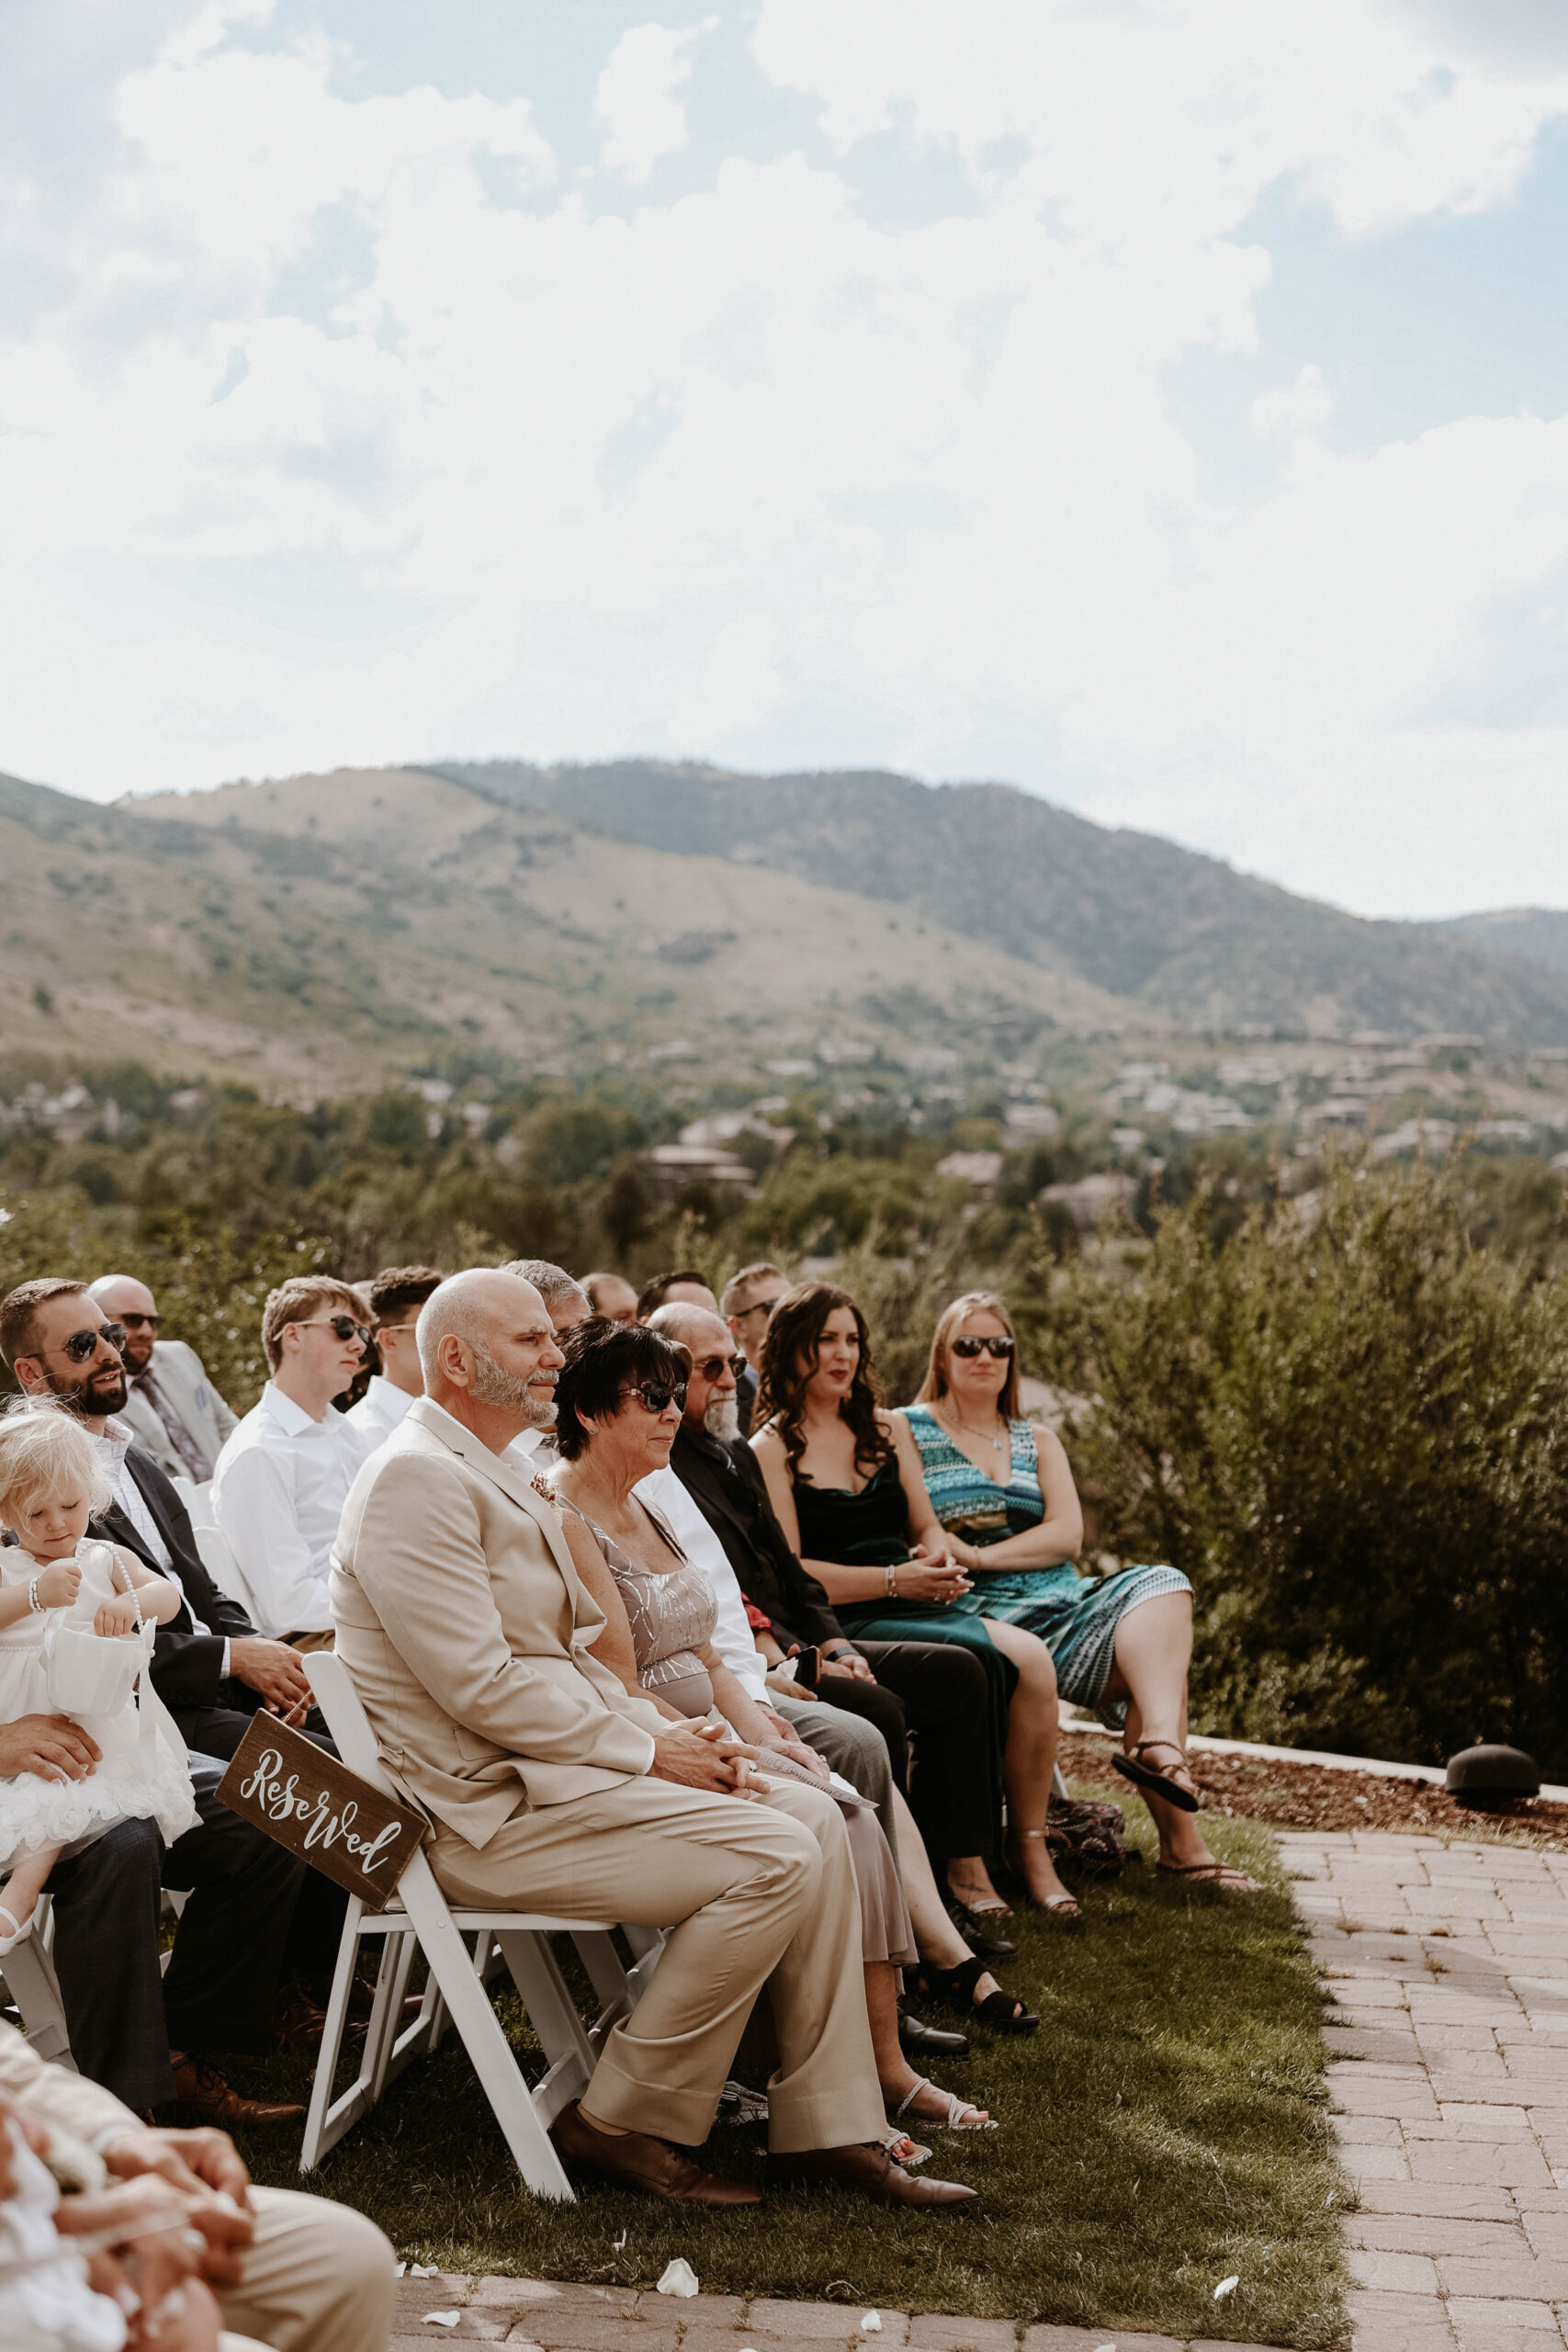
[1166,2127]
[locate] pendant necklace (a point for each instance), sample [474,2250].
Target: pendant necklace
[969,1428]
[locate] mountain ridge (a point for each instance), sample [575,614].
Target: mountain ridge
[1137,916]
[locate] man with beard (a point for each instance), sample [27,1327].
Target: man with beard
[284,1475]
[139,2034]
[171,1409]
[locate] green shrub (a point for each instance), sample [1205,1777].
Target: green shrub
[1348,1426]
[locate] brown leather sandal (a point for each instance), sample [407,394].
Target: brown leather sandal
[1131,1767]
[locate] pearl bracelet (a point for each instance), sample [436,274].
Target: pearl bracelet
[34,1603]
[892,1582]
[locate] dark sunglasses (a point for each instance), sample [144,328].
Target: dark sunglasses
[969,1345]
[712,1367]
[759,1306]
[342,1327]
[83,1344]
[656,1395]
[136,1322]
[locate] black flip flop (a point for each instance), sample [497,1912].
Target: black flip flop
[1144,1776]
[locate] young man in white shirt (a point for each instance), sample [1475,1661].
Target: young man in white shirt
[396,1296]
[284,1475]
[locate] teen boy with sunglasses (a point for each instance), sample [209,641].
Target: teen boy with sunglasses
[284,1475]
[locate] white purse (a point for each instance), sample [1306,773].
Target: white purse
[92,1674]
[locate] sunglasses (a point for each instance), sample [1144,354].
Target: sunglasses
[83,1344]
[712,1367]
[342,1327]
[656,1395]
[972,1346]
[139,1322]
[758,1306]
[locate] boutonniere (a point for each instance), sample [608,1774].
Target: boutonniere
[544,1493]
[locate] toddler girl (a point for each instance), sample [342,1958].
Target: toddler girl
[50,1486]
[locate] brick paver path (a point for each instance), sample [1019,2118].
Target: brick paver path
[1448,1966]
[1449,2073]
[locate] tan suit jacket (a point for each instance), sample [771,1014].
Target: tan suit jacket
[460,1617]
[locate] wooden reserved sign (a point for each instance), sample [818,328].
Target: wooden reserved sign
[313,1805]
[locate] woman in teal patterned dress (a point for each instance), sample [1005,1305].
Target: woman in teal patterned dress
[999,1496]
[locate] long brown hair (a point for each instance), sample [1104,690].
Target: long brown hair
[973,1302]
[790,1355]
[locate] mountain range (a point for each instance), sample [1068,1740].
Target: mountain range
[325,933]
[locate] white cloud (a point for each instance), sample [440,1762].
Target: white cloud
[728,478]
[636,97]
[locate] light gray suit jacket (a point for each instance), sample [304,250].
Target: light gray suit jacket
[183,1382]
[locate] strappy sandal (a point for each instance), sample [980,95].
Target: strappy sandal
[1130,1766]
[958,2109]
[1225,1875]
[902,2149]
[955,1988]
[1062,1906]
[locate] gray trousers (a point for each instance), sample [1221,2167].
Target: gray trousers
[854,1748]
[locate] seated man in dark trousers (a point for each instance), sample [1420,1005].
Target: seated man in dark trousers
[928,1688]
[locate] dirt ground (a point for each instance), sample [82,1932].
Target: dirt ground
[1320,1796]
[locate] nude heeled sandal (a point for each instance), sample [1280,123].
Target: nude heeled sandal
[1061,1907]
[958,2109]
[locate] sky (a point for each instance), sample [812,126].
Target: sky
[1158,404]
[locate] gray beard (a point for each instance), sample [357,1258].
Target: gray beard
[722,1419]
[493,1385]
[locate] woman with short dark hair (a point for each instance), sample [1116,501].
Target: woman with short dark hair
[619,1398]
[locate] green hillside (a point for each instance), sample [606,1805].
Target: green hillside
[1540,935]
[320,936]
[1183,934]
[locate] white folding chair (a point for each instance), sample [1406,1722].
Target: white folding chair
[217,1557]
[197,1500]
[420,1917]
[30,1982]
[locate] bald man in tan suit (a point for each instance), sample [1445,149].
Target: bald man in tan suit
[461,1619]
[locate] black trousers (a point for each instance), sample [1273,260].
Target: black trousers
[123,2016]
[316,1926]
[941,1697]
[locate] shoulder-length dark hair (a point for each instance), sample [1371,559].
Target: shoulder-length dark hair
[936,1383]
[790,1355]
[602,1359]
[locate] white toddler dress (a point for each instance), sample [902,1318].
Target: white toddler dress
[143,1776]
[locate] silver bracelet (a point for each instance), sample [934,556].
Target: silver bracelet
[892,1582]
[34,1603]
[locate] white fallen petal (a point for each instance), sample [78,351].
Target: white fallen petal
[679,2279]
[1227,2287]
[871,2324]
[1105,2347]
[619,2242]
[401,2267]
[425,2270]
[442,2319]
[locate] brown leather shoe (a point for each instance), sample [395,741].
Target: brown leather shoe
[868,2169]
[635,2161]
[298,2021]
[201,2086]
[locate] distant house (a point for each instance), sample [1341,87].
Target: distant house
[978,1169]
[1093,1201]
[695,1163]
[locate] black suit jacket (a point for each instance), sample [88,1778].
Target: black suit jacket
[725,1483]
[187,1667]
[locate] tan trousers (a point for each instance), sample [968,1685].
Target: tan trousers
[307,1641]
[756,1893]
[319,2278]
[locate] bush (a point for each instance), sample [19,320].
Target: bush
[1347,1425]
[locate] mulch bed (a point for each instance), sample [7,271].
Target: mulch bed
[1320,1796]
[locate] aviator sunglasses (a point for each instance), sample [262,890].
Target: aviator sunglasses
[656,1395]
[712,1367]
[82,1344]
[970,1345]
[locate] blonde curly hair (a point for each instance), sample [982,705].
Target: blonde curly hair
[44,1451]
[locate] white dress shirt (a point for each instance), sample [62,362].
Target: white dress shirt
[277,1494]
[732,1636]
[111,1449]
[378,1412]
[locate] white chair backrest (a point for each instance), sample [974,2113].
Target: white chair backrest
[218,1559]
[346,1719]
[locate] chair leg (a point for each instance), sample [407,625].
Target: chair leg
[316,2140]
[29,1979]
[488,2048]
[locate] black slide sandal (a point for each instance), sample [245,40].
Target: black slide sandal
[956,1986]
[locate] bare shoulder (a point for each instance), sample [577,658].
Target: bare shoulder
[1048,1446]
[767,1441]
